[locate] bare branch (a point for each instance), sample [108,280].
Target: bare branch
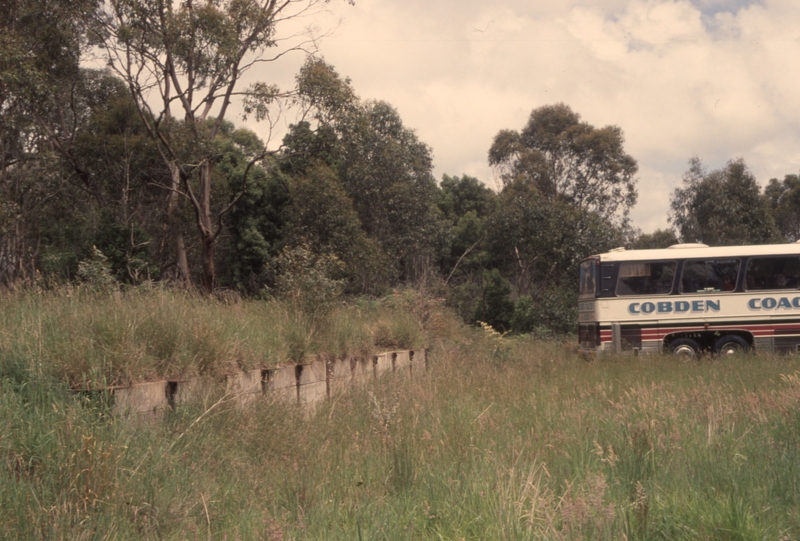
[466,252]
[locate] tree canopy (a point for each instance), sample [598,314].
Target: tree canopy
[41,46]
[193,56]
[660,238]
[381,164]
[783,199]
[138,169]
[568,160]
[721,207]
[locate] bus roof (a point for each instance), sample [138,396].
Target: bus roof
[699,251]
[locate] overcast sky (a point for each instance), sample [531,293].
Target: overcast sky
[712,78]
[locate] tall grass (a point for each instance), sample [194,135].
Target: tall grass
[502,438]
[97,340]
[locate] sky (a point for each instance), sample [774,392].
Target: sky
[709,78]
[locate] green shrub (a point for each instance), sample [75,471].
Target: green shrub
[309,281]
[554,310]
[95,272]
[496,307]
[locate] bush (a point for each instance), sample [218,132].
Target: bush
[496,307]
[555,309]
[465,299]
[309,280]
[96,272]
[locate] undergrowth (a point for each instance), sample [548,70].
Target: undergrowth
[502,438]
[94,339]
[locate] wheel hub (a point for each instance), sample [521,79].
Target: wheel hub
[684,351]
[730,349]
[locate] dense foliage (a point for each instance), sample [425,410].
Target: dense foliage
[139,169]
[723,207]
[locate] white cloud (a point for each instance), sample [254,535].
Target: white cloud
[715,79]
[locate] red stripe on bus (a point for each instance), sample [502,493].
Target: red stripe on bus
[756,329]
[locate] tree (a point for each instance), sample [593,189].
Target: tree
[194,55]
[321,217]
[387,172]
[540,243]
[460,195]
[783,198]
[81,179]
[255,225]
[495,307]
[41,43]
[465,203]
[570,161]
[553,309]
[114,162]
[722,207]
[660,238]
[537,245]
[382,166]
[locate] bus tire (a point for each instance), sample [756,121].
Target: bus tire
[731,344]
[684,347]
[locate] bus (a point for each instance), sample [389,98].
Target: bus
[691,299]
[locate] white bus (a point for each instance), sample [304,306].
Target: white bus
[689,299]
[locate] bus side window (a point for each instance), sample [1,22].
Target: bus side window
[646,278]
[710,276]
[768,273]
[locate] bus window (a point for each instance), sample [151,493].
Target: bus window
[765,273]
[711,276]
[588,277]
[651,278]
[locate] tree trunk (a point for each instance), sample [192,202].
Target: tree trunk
[208,264]
[181,261]
[205,227]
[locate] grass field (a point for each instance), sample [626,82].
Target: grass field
[94,340]
[503,438]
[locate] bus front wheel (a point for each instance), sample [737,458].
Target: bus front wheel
[684,347]
[731,344]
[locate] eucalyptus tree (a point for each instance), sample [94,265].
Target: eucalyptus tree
[538,244]
[721,207]
[84,179]
[783,198]
[41,46]
[660,238]
[568,160]
[322,218]
[465,203]
[382,165]
[183,64]
[567,191]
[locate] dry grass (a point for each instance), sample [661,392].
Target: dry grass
[96,340]
[503,438]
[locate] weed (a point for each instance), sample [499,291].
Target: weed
[538,446]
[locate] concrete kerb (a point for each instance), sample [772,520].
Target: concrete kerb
[312,382]
[144,400]
[281,383]
[200,389]
[340,375]
[402,361]
[307,383]
[383,363]
[245,386]
[418,360]
[362,369]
